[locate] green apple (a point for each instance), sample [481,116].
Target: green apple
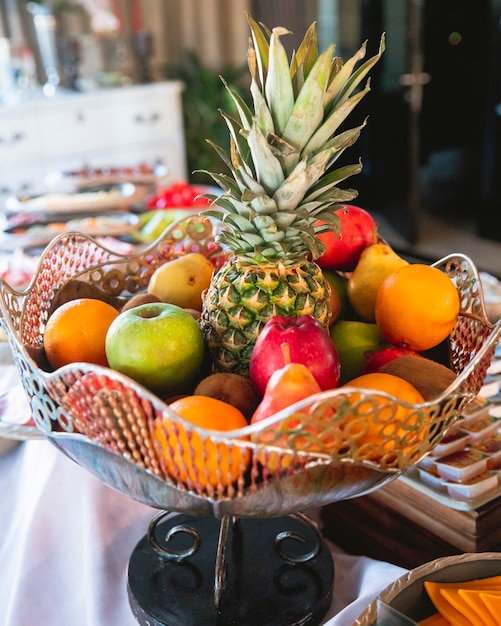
[157,344]
[355,343]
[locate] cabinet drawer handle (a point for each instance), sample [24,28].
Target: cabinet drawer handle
[16,138]
[153,118]
[22,188]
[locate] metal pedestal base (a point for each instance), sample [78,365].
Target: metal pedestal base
[191,571]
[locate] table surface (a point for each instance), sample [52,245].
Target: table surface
[67,539]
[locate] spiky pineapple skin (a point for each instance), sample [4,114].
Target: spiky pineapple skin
[242,297]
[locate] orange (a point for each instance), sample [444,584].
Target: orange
[196,460]
[417,306]
[397,427]
[76,331]
[389,383]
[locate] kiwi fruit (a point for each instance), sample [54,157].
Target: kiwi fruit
[196,314]
[428,377]
[74,289]
[39,356]
[138,300]
[231,388]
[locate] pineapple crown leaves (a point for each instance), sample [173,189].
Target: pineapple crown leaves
[281,153]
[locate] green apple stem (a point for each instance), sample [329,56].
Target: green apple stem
[286,352]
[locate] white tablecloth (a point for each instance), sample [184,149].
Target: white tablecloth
[66,539]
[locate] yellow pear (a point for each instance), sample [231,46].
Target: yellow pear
[376,262]
[182,281]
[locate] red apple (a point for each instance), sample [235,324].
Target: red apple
[381,357]
[289,339]
[342,250]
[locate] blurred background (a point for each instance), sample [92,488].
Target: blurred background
[432,143]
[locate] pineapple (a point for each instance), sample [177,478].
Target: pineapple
[281,183]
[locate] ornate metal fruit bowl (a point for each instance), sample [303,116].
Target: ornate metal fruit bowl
[313,453]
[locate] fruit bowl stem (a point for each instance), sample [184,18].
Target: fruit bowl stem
[194,570]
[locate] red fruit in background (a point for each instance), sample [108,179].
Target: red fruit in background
[179,195]
[342,250]
[384,356]
[290,339]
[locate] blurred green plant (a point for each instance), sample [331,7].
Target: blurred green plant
[204,96]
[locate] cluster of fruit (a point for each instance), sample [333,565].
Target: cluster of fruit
[178,195]
[167,205]
[387,312]
[156,339]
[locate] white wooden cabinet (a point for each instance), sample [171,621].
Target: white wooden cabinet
[125,126]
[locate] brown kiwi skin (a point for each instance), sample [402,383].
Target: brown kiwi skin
[428,377]
[139,299]
[196,314]
[231,388]
[74,289]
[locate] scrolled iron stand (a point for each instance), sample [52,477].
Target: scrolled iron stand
[296,589]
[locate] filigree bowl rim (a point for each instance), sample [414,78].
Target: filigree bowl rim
[63,439]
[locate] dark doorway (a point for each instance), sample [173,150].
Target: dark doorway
[433,141]
[430,145]
[456,50]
